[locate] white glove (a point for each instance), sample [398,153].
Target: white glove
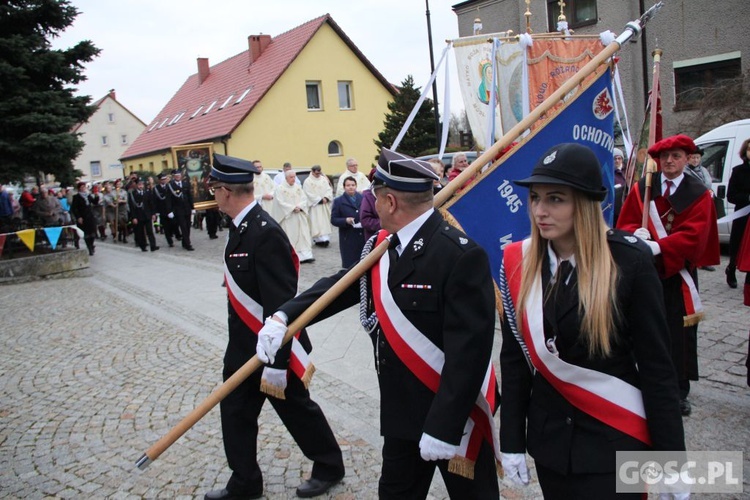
[170,215]
[654,246]
[433,449]
[642,233]
[269,340]
[514,466]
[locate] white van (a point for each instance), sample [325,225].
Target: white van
[721,148]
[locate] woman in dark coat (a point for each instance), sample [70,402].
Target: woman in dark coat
[583,307]
[345,215]
[83,214]
[738,192]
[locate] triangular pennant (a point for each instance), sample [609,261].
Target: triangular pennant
[2,243]
[27,236]
[53,235]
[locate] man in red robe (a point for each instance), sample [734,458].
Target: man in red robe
[683,236]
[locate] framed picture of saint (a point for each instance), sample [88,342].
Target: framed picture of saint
[194,161]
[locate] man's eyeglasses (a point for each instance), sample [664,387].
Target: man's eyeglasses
[374,187]
[213,187]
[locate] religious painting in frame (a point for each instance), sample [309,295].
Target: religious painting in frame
[194,161]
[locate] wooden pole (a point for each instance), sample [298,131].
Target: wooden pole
[254,363]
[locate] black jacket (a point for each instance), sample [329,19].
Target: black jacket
[534,416]
[456,312]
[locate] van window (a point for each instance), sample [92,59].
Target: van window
[713,159]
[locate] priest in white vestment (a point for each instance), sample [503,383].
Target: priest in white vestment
[319,194]
[290,209]
[352,170]
[264,188]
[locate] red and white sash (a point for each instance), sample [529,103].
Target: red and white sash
[251,314]
[425,361]
[604,397]
[693,306]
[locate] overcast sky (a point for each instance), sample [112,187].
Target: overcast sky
[149,47]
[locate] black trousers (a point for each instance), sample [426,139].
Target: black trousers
[182,221]
[167,226]
[406,476]
[302,417]
[212,222]
[141,231]
[556,486]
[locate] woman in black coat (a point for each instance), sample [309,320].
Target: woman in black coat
[345,216]
[83,214]
[738,192]
[583,307]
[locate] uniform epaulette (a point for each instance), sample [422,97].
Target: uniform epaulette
[456,236]
[628,239]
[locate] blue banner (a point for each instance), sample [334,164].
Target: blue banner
[494,211]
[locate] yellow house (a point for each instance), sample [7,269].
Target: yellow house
[307,96]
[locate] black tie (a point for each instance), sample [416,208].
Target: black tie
[392,252]
[563,275]
[232,227]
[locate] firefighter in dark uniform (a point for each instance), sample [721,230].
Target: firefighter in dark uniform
[141,215]
[181,198]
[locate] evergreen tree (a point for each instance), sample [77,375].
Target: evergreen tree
[421,134]
[37,104]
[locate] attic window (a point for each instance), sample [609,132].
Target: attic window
[210,106]
[244,94]
[226,102]
[162,123]
[176,117]
[153,126]
[196,112]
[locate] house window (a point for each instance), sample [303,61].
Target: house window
[577,12]
[96,169]
[105,141]
[695,78]
[345,95]
[123,139]
[111,117]
[334,148]
[313,96]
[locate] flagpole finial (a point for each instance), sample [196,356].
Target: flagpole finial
[528,16]
[561,17]
[477,26]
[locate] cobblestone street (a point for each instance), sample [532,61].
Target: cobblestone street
[96,369]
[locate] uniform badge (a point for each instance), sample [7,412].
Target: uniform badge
[418,244]
[463,240]
[550,158]
[243,227]
[263,223]
[630,239]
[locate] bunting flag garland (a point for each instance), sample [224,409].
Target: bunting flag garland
[27,236]
[53,235]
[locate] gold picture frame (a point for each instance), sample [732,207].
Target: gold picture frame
[194,161]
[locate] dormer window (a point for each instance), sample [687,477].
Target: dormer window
[226,102]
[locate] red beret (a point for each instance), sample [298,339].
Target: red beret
[679,141]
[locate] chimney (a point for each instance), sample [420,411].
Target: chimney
[257,44]
[112,94]
[203,69]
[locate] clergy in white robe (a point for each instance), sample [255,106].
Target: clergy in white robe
[319,194]
[264,188]
[291,210]
[363,183]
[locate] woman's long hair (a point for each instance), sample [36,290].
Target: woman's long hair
[597,274]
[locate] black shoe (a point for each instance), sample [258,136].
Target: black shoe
[212,236]
[143,249]
[685,407]
[307,261]
[91,252]
[708,268]
[731,277]
[223,494]
[189,248]
[178,238]
[154,249]
[171,245]
[314,487]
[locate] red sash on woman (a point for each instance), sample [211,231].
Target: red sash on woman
[251,314]
[604,397]
[425,361]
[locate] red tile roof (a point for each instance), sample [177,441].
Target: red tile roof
[230,78]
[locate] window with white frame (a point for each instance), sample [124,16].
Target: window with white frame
[314,100]
[123,139]
[345,95]
[96,169]
[111,117]
[105,141]
[334,148]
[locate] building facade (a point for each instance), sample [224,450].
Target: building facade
[706,45]
[307,96]
[106,135]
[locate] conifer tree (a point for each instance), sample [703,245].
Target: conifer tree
[421,134]
[37,107]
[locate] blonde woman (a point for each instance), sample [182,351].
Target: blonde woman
[585,362]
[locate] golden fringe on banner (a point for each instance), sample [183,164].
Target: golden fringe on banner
[692,319]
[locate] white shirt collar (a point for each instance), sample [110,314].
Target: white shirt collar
[238,220]
[675,182]
[554,260]
[406,233]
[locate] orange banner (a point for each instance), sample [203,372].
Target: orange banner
[552,62]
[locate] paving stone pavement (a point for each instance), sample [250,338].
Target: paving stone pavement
[96,369]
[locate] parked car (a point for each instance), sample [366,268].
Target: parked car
[721,148]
